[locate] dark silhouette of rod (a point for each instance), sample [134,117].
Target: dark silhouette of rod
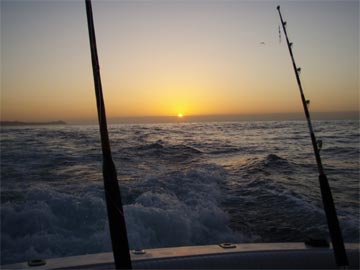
[328,202]
[115,211]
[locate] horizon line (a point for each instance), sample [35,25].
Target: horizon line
[278,116]
[275,116]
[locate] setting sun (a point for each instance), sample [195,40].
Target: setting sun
[180,115]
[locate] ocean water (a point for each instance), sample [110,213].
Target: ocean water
[182,184]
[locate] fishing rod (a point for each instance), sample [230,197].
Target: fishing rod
[115,211]
[328,202]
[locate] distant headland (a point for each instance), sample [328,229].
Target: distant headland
[18,123]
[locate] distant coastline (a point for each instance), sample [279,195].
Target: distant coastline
[18,123]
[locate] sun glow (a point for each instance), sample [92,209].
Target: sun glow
[180,115]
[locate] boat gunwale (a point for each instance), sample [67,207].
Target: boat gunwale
[106,258]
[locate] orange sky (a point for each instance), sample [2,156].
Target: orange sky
[167,57]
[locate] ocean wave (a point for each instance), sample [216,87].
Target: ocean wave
[268,164]
[220,150]
[162,150]
[53,224]
[181,208]
[177,208]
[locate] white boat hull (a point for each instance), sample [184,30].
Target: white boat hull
[243,256]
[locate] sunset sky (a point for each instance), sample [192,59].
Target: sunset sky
[163,58]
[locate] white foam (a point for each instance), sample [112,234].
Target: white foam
[185,211]
[179,208]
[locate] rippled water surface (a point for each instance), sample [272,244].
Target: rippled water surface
[182,184]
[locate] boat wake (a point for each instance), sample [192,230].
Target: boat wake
[175,209]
